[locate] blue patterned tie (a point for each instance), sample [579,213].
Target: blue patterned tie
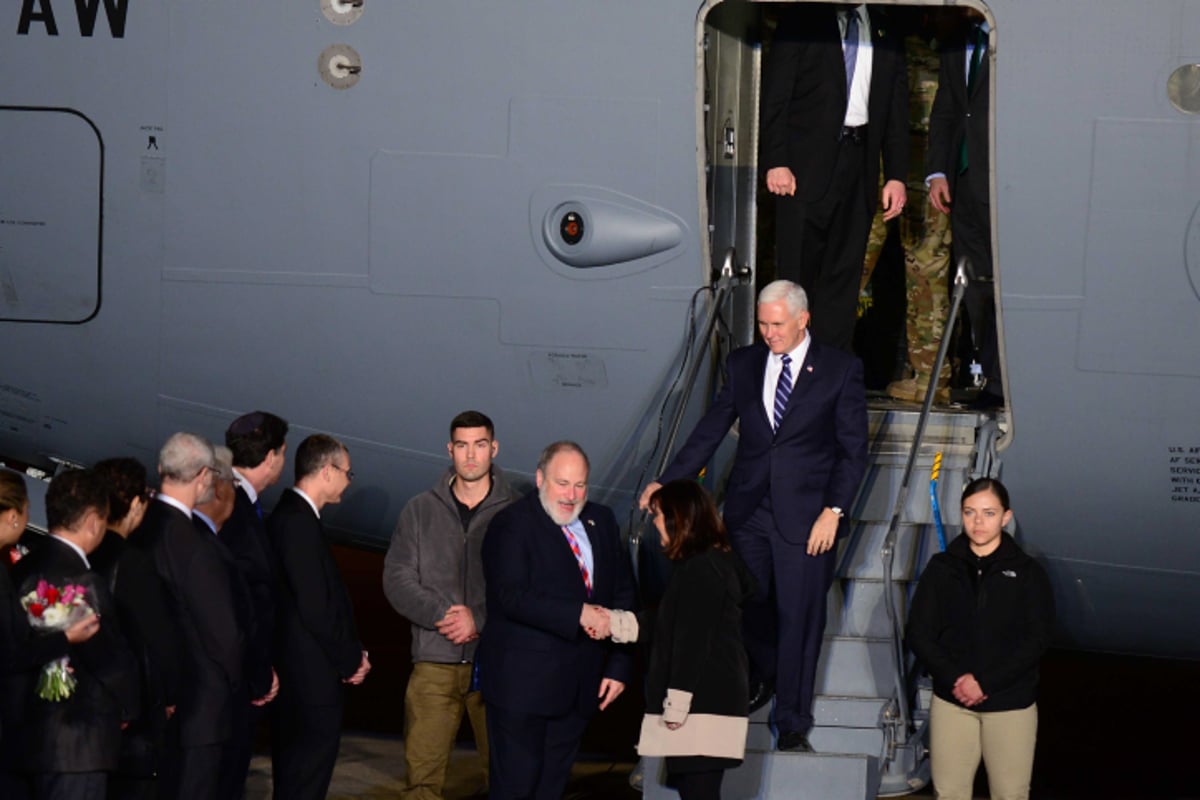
[850,47]
[783,389]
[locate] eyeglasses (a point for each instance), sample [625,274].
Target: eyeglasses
[349,472]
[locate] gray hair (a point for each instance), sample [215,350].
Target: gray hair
[791,293]
[223,462]
[562,446]
[183,456]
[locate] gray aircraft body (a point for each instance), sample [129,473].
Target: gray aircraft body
[367,217]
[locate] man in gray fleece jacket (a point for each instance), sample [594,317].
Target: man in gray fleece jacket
[434,577]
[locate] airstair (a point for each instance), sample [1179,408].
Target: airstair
[869,736]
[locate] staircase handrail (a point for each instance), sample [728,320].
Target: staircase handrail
[726,279]
[888,550]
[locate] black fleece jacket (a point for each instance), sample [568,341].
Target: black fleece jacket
[990,616]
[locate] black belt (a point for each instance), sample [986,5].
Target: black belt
[857,134]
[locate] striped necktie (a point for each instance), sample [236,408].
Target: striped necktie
[583,570]
[783,389]
[850,47]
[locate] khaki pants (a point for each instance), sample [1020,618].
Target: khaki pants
[959,736]
[434,702]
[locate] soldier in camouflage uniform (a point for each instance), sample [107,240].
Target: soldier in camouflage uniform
[925,236]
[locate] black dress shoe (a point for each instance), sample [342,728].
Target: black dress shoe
[760,694]
[793,742]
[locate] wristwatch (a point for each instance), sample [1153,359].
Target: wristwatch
[837,510]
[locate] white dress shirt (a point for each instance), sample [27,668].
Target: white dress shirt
[860,88]
[775,366]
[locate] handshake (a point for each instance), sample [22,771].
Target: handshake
[601,623]
[596,621]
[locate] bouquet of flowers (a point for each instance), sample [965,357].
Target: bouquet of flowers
[53,609]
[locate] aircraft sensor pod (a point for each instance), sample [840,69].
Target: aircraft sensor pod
[340,66]
[342,12]
[605,231]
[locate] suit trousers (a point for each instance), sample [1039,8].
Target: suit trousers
[70,785]
[785,620]
[15,786]
[304,748]
[235,760]
[970,226]
[958,737]
[531,756]
[821,245]
[192,773]
[434,702]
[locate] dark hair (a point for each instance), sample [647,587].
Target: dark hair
[13,494]
[125,480]
[315,452]
[986,485]
[71,495]
[251,436]
[563,446]
[472,419]
[692,522]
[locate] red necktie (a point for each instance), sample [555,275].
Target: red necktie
[583,570]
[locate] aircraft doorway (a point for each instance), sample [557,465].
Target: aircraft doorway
[903,292]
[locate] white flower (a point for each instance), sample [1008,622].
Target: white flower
[55,616]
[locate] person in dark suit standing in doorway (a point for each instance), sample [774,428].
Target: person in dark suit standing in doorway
[317,642]
[71,744]
[834,98]
[202,597]
[551,560]
[802,451]
[957,163]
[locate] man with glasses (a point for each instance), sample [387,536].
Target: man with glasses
[203,593]
[319,649]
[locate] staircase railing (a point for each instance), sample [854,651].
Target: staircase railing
[727,279]
[888,551]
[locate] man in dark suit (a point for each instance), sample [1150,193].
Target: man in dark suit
[258,443]
[957,168]
[211,516]
[317,641]
[202,596]
[834,98]
[147,623]
[550,561]
[72,744]
[802,450]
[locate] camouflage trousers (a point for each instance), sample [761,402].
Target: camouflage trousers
[925,234]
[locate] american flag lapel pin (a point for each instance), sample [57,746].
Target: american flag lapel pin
[809,368]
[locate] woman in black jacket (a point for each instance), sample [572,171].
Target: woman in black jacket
[980,620]
[696,682]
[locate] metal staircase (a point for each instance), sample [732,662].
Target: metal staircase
[869,733]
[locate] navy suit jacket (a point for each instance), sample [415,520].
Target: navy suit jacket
[533,656]
[803,102]
[201,593]
[815,459]
[316,638]
[955,116]
[244,534]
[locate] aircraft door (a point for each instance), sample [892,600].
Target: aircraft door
[731,79]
